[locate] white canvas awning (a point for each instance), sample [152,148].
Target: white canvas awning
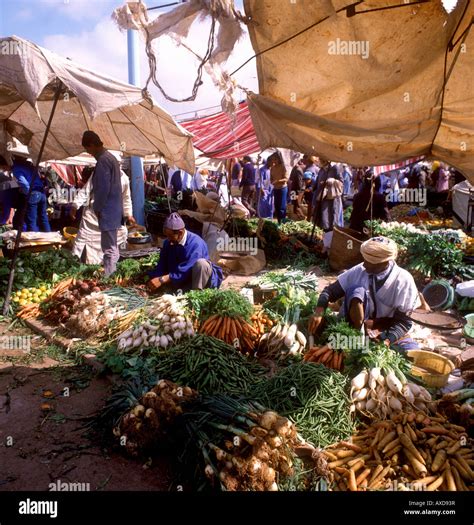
[374,88]
[117,112]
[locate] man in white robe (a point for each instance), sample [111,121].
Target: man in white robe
[88,236]
[378,294]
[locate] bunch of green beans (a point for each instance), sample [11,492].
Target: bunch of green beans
[210,366]
[313,397]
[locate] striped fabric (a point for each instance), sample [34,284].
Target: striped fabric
[398,166]
[70,173]
[218,137]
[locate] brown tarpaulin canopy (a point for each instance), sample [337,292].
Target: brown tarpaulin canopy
[401,93]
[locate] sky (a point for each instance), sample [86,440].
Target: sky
[83,31]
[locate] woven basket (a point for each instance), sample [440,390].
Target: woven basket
[433,368]
[345,249]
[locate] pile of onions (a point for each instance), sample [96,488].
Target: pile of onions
[92,314]
[167,323]
[257,459]
[142,428]
[377,394]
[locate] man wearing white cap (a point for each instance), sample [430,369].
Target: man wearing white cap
[377,293]
[184,260]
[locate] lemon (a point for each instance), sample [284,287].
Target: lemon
[22,302]
[43,288]
[16,299]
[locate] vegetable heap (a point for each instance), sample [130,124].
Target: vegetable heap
[237,444]
[167,324]
[94,312]
[281,341]
[278,280]
[234,331]
[209,365]
[66,297]
[146,425]
[409,452]
[311,396]
[224,303]
[378,394]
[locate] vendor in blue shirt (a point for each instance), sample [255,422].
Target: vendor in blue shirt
[184,260]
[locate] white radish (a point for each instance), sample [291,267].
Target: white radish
[374,374]
[359,380]
[126,334]
[290,335]
[301,339]
[408,394]
[395,404]
[371,405]
[137,342]
[163,341]
[129,342]
[393,383]
[415,389]
[177,334]
[424,394]
[170,339]
[361,405]
[295,347]
[361,394]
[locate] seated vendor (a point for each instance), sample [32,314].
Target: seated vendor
[377,294]
[184,260]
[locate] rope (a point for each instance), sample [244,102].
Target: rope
[197,83]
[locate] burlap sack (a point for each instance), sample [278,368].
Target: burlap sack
[244,265]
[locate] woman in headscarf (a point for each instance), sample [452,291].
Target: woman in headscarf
[378,294]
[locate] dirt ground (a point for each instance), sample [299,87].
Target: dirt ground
[39,447]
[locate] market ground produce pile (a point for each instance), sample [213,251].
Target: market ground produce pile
[235,390]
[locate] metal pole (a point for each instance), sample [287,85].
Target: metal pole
[16,248]
[136,163]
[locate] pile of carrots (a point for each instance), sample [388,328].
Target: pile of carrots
[232,330]
[327,356]
[410,452]
[261,321]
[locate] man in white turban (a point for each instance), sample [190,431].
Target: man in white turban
[378,294]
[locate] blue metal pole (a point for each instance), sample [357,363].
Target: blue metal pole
[136,163]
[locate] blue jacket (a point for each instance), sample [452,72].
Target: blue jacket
[23,173]
[107,192]
[178,262]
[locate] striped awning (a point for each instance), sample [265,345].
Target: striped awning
[397,166]
[70,173]
[218,136]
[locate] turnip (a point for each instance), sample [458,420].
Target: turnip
[164,341]
[374,374]
[177,334]
[359,380]
[393,383]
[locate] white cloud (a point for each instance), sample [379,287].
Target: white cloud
[104,49]
[24,14]
[79,9]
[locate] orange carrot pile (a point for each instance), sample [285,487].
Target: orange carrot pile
[261,322]
[232,330]
[327,356]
